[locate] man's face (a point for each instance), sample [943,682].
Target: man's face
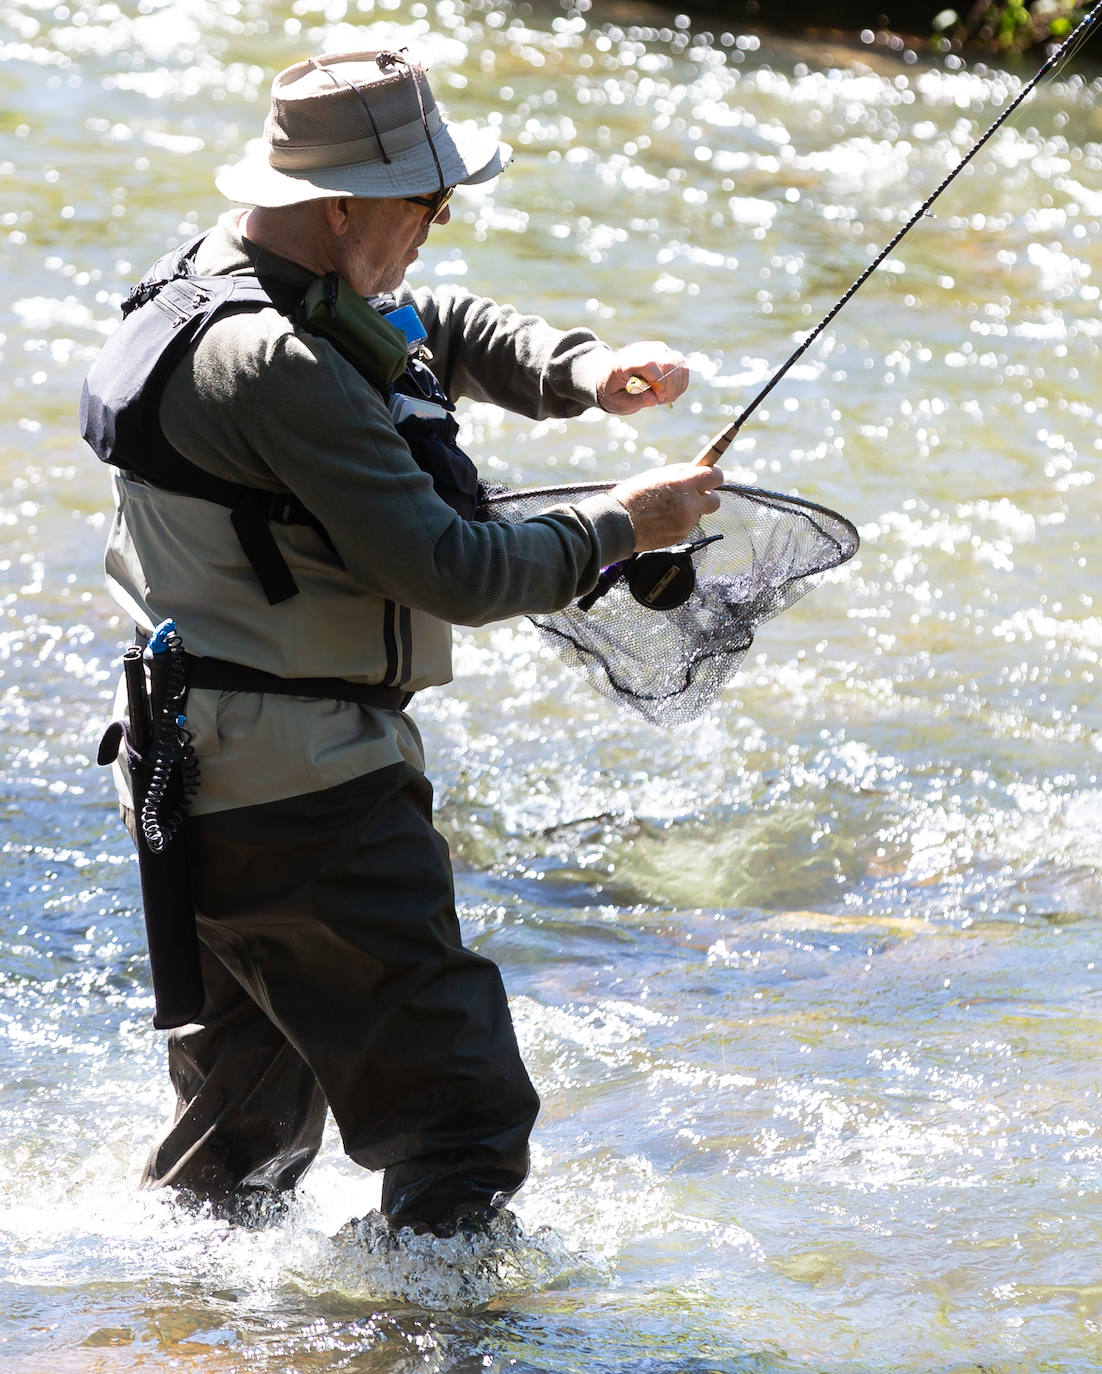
[382,241]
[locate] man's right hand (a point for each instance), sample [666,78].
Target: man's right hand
[665,504]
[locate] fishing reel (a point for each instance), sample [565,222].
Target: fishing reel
[660,580]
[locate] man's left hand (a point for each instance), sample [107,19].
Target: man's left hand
[665,372]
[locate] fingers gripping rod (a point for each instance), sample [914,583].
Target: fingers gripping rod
[719,443]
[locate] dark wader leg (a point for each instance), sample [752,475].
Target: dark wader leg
[250,1114]
[335,911]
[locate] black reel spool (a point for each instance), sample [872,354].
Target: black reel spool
[660,580]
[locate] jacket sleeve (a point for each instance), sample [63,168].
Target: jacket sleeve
[491,352]
[289,411]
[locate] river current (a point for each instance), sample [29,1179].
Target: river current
[811,988]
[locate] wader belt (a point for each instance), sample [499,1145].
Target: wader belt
[224,676]
[221,675]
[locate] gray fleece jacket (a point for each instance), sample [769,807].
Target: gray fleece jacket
[261,402]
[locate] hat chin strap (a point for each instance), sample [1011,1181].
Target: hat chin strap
[338,79]
[386,60]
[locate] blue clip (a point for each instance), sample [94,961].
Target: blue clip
[158,640]
[409,322]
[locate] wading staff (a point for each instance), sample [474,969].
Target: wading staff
[719,443]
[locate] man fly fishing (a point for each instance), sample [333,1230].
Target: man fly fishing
[278,406]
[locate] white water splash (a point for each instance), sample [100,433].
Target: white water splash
[451,1273]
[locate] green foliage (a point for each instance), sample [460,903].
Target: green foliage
[1008,26]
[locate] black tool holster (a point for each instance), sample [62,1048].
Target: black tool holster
[165,873]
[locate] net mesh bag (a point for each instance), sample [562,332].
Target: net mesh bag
[742,565]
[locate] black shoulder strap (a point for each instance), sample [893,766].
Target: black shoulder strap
[175,263]
[165,315]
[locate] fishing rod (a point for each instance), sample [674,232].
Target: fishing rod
[719,443]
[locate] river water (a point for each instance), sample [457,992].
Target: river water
[811,988]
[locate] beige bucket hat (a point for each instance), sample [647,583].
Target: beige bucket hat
[358,124]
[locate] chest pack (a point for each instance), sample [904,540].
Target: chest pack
[167,313]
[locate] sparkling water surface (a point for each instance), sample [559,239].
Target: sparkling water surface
[810,988]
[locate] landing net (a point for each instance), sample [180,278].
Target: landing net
[670,665]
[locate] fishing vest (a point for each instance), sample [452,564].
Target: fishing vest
[166,314]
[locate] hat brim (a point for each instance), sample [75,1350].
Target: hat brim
[468,154]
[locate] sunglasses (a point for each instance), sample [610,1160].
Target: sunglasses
[434,202]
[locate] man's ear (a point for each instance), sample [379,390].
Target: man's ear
[338,214]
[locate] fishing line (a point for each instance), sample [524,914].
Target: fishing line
[720,442]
